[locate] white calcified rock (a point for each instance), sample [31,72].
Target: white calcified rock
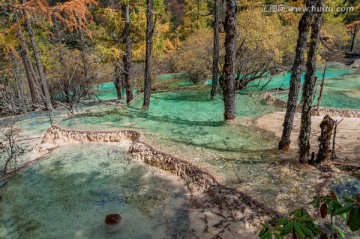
[356,63]
[56,135]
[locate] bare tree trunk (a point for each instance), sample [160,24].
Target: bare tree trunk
[117,79]
[149,44]
[333,153]
[18,81]
[309,85]
[84,60]
[29,71]
[327,127]
[304,26]
[353,36]
[321,88]
[127,55]
[39,66]
[215,67]
[228,85]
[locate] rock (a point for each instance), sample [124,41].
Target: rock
[112,219]
[356,63]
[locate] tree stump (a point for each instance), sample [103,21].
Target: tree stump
[327,128]
[112,219]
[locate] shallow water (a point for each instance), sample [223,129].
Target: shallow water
[343,92]
[107,91]
[184,123]
[333,70]
[190,125]
[69,193]
[342,89]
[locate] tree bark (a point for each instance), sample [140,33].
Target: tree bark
[45,89]
[321,88]
[296,70]
[149,44]
[228,86]
[84,61]
[333,153]
[18,81]
[327,127]
[215,67]
[127,55]
[309,86]
[29,71]
[117,79]
[353,38]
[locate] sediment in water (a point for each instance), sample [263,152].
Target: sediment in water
[335,112]
[198,181]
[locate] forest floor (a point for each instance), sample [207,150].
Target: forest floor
[347,138]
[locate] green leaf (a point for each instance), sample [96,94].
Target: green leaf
[265,236]
[298,231]
[266,226]
[278,236]
[333,206]
[305,219]
[295,213]
[261,232]
[313,228]
[287,229]
[283,221]
[344,209]
[341,232]
[349,199]
[354,219]
[307,231]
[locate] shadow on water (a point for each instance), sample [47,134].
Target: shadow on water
[239,149]
[144,115]
[68,195]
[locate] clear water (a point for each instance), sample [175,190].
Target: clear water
[190,125]
[283,80]
[69,193]
[107,91]
[342,88]
[184,123]
[342,92]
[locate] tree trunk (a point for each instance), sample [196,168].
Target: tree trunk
[353,38]
[117,79]
[327,127]
[84,61]
[228,86]
[333,153]
[29,71]
[309,85]
[215,67]
[296,70]
[149,44]
[45,89]
[18,81]
[321,88]
[127,55]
